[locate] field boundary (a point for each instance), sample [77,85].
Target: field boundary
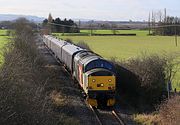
[133,34]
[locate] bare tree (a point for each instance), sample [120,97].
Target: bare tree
[91,27]
[149,23]
[165,16]
[50,19]
[114,29]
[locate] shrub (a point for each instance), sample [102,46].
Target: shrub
[141,81]
[169,111]
[84,45]
[24,95]
[69,40]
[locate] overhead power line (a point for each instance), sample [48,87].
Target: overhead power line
[174,25]
[61,25]
[90,27]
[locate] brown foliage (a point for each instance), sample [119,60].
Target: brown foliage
[24,98]
[170,111]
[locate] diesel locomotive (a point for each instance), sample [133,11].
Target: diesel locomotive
[95,75]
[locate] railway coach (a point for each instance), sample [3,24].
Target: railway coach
[95,75]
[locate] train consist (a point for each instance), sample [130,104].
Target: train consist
[94,74]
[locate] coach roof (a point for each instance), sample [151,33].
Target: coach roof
[71,49]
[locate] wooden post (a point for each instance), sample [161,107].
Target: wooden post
[149,23]
[176,36]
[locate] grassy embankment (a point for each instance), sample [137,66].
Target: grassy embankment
[29,86]
[126,47]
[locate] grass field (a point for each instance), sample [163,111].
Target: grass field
[137,32]
[3,32]
[126,47]
[88,32]
[3,41]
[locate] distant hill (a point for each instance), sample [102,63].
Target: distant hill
[11,17]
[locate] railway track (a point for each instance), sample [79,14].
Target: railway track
[109,117]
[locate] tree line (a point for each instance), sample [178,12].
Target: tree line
[61,26]
[161,24]
[169,26]
[11,24]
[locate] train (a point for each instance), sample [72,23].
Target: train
[95,75]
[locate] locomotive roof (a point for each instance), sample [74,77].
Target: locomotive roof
[83,54]
[96,61]
[90,58]
[98,69]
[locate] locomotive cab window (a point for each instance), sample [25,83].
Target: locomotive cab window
[99,64]
[102,73]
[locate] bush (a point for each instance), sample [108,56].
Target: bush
[69,40]
[24,95]
[170,111]
[141,81]
[84,45]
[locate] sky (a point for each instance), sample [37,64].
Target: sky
[115,10]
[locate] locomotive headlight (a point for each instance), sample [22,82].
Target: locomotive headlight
[93,80]
[110,80]
[102,84]
[90,87]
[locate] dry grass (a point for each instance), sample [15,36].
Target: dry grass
[170,111]
[147,119]
[167,114]
[57,98]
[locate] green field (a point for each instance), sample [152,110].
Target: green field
[137,32]
[3,32]
[88,32]
[3,41]
[126,47]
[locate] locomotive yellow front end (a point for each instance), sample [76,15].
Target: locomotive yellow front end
[101,90]
[100,86]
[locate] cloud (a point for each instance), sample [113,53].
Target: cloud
[91,9]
